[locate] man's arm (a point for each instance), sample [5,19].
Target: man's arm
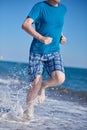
[27,26]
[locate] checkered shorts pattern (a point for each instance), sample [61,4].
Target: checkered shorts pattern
[37,63]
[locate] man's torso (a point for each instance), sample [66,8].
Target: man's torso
[49,23]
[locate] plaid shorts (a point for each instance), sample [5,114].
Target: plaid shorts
[39,62]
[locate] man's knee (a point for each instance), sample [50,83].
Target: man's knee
[37,81]
[59,77]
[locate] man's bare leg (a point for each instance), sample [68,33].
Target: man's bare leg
[57,78]
[31,96]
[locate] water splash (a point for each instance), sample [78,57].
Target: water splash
[10,100]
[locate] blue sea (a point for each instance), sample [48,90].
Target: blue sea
[65,107]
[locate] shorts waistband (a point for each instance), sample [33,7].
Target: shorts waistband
[45,57]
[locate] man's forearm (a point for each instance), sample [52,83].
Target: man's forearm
[30,30]
[27,26]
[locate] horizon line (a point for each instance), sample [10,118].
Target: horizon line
[26,62]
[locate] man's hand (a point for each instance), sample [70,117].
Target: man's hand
[63,39]
[46,40]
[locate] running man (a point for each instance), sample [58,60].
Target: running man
[48,17]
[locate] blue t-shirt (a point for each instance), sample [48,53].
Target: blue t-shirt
[48,21]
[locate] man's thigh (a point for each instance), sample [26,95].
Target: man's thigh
[55,64]
[35,69]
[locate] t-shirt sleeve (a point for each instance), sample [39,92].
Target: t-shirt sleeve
[35,13]
[64,9]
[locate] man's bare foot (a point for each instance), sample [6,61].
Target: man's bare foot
[28,113]
[42,95]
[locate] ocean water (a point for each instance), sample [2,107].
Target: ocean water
[65,107]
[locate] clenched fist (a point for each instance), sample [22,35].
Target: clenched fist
[46,40]
[63,39]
